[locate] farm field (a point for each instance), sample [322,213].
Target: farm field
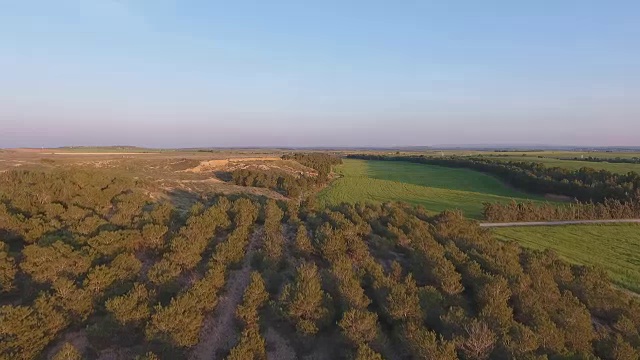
[434,187]
[548,158]
[614,247]
[574,164]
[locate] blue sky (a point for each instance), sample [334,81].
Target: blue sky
[170,73]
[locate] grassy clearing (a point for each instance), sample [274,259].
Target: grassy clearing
[434,187]
[614,247]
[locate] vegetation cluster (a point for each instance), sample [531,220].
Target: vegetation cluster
[293,186]
[321,162]
[287,184]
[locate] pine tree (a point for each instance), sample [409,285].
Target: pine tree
[304,300]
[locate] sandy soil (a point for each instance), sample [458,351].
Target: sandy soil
[561,198]
[278,348]
[99,153]
[219,333]
[210,165]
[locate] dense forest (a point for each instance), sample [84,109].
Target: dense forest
[585,184]
[92,266]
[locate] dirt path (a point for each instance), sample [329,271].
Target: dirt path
[278,348]
[557,223]
[219,334]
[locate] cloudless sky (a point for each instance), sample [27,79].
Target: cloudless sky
[169,73]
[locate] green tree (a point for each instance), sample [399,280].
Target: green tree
[255,295]
[366,353]
[359,326]
[273,239]
[250,346]
[47,263]
[132,308]
[403,302]
[304,300]
[67,352]
[123,267]
[178,323]
[25,330]
[75,300]
[7,269]
[424,344]
[303,244]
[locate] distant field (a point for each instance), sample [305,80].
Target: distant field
[434,187]
[106,149]
[549,158]
[575,164]
[614,247]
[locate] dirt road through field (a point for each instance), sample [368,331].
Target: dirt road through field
[558,223]
[218,334]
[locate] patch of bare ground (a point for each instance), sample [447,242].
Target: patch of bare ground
[210,165]
[219,333]
[99,153]
[559,198]
[76,338]
[116,354]
[97,163]
[208,180]
[278,348]
[325,347]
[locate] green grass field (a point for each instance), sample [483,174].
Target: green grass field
[434,187]
[614,247]
[574,164]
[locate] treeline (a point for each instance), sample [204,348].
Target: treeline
[289,185]
[321,162]
[529,211]
[585,184]
[616,160]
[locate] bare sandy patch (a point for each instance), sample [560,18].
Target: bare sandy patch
[556,197]
[278,348]
[210,165]
[100,153]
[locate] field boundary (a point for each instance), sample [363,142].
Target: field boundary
[559,223]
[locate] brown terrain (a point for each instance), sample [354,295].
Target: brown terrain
[174,174]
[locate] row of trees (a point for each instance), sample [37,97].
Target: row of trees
[616,160]
[251,344]
[584,184]
[180,322]
[529,211]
